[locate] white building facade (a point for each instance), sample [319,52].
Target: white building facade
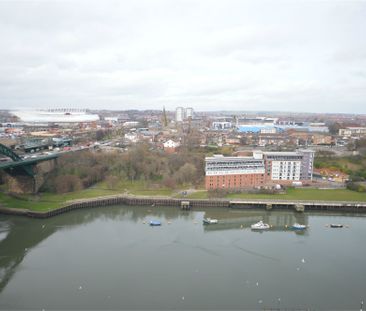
[289,166]
[179,114]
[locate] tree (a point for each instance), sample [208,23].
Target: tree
[164,119]
[186,173]
[169,182]
[334,128]
[111,182]
[67,183]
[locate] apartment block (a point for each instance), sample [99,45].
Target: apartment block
[263,168]
[286,167]
[234,172]
[352,132]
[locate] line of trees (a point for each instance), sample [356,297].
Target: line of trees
[354,166]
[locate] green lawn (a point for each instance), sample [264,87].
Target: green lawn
[307,194]
[295,194]
[198,195]
[46,201]
[140,188]
[36,205]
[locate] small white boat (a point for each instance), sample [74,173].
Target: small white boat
[209,221]
[297,226]
[260,225]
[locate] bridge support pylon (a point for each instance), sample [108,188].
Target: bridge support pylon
[19,181]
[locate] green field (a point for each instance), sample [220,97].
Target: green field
[47,201]
[198,195]
[295,194]
[307,194]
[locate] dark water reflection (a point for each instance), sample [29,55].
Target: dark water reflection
[110,258]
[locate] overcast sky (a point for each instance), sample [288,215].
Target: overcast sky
[210,55]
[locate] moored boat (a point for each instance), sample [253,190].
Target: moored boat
[260,225]
[336,225]
[297,226]
[209,221]
[155,223]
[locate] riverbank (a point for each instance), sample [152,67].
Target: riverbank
[46,201]
[155,202]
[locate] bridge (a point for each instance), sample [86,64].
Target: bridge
[26,175]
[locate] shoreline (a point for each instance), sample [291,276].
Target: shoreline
[187,204]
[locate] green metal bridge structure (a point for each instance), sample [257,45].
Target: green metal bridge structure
[25,175]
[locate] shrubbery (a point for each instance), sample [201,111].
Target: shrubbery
[356,186]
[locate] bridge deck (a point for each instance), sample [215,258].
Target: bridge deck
[29,161]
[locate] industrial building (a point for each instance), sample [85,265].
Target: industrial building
[263,168]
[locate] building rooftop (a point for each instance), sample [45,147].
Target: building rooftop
[221,157]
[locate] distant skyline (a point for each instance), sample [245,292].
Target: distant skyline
[259,55]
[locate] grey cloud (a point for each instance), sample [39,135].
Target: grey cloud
[278,55]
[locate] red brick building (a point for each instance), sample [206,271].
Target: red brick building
[234,172]
[238,181]
[263,168]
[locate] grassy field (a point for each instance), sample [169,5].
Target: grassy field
[47,201]
[307,194]
[295,194]
[198,195]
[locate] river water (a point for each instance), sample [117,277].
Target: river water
[110,258]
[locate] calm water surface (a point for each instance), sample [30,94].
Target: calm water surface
[110,258]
